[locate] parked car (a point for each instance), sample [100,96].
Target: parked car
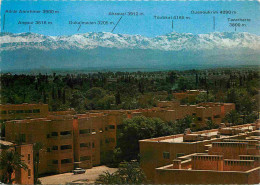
[79,171]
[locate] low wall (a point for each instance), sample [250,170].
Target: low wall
[175,176]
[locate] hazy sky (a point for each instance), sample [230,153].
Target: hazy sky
[143,25]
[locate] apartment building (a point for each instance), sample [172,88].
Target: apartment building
[69,141]
[206,157]
[20,176]
[173,111]
[84,140]
[22,111]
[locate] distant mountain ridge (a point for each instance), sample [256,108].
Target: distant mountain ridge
[31,50]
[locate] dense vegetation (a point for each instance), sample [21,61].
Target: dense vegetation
[127,173]
[141,127]
[130,90]
[10,161]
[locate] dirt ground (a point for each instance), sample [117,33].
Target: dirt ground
[88,178]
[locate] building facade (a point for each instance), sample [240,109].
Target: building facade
[20,176]
[206,157]
[22,111]
[73,140]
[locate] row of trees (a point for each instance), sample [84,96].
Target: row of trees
[125,90]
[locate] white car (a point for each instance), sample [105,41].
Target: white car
[79,171]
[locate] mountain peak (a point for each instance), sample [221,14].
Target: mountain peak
[169,42]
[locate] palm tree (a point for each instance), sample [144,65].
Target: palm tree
[10,161]
[127,173]
[108,178]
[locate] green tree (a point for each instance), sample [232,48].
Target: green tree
[77,101]
[245,103]
[205,97]
[10,161]
[211,124]
[136,129]
[95,93]
[117,97]
[128,173]
[108,178]
[131,173]
[182,124]
[105,102]
[97,99]
[232,117]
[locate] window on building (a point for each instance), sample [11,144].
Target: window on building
[107,140]
[66,161]
[199,119]
[29,173]
[54,147]
[48,149]
[36,110]
[84,131]
[93,131]
[55,161]
[111,126]
[101,130]
[106,129]
[29,157]
[82,145]
[21,138]
[65,147]
[54,134]
[101,143]
[119,126]
[209,118]
[166,155]
[93,145]
[194,114]
[85,158]
[65,133]
[28,111]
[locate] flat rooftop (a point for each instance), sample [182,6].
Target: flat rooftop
[6,143]
[179,137]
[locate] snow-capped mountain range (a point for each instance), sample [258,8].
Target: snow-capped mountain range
[27,51]
[169,42]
